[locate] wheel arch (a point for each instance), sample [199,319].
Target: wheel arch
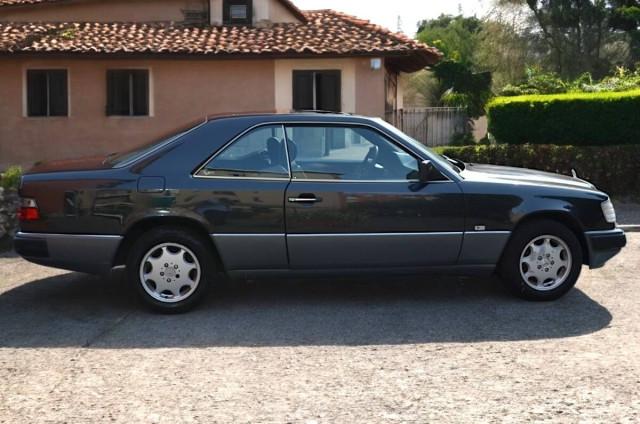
[146,224]
[562,217]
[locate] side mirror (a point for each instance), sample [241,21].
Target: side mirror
[426,171]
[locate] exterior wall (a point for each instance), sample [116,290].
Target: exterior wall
[363,89]
[402,83]
[370,89]
[263,11]
[103,11]
[182,91]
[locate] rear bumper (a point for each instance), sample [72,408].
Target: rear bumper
[604,245]
[93,254]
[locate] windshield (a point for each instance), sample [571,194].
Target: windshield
[121,158]
[441,160]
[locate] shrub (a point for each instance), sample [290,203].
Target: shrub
[10,179]
[567,119]
[538,82]
[613,169]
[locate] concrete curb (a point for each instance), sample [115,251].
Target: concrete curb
[630,228]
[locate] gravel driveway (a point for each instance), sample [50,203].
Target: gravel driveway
[75,348]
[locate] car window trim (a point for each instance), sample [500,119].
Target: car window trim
[168,142]
[284,123]
[352,124]
[231,143]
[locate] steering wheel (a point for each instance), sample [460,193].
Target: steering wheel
[369,161]
[372,157]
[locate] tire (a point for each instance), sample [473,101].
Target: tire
[182,263]
[542,261]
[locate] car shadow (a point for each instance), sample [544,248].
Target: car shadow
[78,310]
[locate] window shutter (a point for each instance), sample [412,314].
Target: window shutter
[118,93]
[226,12]
[111,93]
[328,88]
[303,90]
[140,92]
[36,93]
[58,94]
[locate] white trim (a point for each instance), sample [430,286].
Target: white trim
[25,99]
[284,80]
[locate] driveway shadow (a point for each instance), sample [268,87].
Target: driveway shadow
[78,310]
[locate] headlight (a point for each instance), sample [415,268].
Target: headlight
[608,211]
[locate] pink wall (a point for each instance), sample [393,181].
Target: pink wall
[182,91]
[102,11]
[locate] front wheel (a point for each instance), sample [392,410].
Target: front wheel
[542,261]
[170,269]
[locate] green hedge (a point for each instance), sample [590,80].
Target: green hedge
[568,119]
[613,169]
[10,179]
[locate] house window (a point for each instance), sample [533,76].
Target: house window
[47,92]
[238,12]
[128,92]
[317,90]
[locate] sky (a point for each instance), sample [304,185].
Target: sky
[385,12]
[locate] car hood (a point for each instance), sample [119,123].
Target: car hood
[511,175]
[79,164]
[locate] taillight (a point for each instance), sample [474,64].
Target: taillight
[28,210]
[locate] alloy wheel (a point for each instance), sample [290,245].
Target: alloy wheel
[545,263]
[170,272]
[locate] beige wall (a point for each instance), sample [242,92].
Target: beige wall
[362,87]
[182,91]
[103,11]
[370,91]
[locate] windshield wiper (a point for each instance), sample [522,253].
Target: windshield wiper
[457,163]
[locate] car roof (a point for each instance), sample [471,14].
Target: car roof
[311,116]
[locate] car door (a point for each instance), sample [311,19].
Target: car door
[355,202]
[240,191]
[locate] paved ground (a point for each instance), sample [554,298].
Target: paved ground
[628,213]
[78,349]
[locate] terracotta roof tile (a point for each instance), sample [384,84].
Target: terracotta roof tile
[325,33]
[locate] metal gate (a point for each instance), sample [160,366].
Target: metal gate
[432,126]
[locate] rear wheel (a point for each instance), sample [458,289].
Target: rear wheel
[542,261]
[171,269]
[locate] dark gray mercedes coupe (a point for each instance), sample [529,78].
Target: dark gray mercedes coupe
[308,193]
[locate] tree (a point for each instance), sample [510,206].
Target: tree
[506,44]
[625,16]
[454,81]
[575,32]
[455,36]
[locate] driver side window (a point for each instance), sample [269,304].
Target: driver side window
[258,154]
[347,153]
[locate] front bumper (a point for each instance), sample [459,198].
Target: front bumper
[93,254]
[604,245]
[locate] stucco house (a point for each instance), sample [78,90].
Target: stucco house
[84,77]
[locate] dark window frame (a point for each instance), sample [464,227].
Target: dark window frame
[295,176]
[201,172]
[129,92]
[226,12]
[51,80]
[307,97]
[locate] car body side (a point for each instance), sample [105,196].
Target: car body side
[90,217]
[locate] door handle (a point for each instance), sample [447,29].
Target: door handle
[305,198]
